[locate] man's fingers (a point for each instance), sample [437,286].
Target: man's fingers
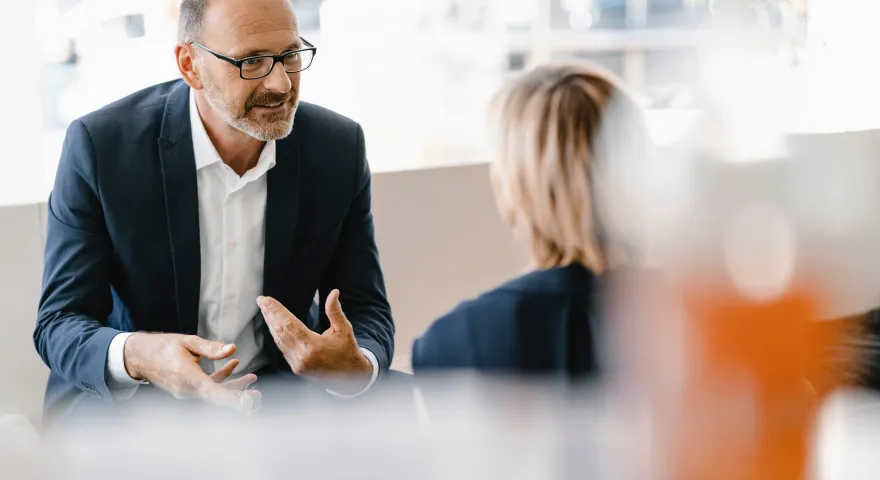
[334,312]
[240,383]
[207,348]
[280,321]
[201,386]
[215,394]
[274,312]
[250,401]
[224,372]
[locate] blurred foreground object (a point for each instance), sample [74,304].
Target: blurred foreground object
[769,246]
[728,380]
[748,408]
[757,318]
[489,428]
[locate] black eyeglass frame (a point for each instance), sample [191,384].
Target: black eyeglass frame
[239,62]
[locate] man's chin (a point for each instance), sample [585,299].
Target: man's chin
[267,132]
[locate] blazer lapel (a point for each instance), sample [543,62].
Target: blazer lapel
[282,208]
[182,205]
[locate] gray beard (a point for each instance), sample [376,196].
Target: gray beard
[262,134]
[244,124]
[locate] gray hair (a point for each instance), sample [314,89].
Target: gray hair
[192,14]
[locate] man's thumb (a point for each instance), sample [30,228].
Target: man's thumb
[334,311]
[209,349]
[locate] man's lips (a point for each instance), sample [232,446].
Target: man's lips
[272,105]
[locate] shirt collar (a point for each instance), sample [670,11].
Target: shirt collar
[206,154]
[203,148]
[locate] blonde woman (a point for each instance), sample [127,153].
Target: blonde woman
[557,130]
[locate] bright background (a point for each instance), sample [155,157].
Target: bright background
[418,73]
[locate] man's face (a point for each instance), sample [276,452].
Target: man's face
[262,108]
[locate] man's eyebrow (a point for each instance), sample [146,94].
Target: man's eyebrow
[251,53]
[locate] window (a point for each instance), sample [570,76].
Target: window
[417,74]
[516,61]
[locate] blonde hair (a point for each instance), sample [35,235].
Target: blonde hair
[554,129]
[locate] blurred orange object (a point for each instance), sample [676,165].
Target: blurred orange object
[748,402]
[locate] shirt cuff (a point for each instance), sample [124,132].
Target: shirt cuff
[374,362]
[119,382]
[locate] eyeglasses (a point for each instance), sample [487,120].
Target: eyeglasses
[259,66]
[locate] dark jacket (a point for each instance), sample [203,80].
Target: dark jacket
[540,323]
[122,248]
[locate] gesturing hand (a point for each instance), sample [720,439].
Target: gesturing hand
[171,363]
[333,355]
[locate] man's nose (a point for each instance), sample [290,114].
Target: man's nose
[278,80]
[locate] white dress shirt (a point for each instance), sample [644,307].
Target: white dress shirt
[232,233]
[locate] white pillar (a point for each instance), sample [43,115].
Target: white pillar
[842,89]
[22,177]
[374,65]
[417,82]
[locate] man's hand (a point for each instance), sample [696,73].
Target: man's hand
[240,383]
[333,355]
[171,362]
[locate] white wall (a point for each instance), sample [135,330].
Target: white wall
[440,241]
[21,127]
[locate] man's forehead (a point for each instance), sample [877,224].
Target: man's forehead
[251,25]
[264,44]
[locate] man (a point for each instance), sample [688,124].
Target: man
[174,209]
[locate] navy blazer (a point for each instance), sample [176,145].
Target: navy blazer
[122,246]
[542,323]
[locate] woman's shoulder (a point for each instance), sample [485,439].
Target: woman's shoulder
[459,337]
[559,280]
[503,301]
[453,340]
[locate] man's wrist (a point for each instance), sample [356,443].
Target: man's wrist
[367,364]
[118,375]
[374,365]
[129,356]
[371,359]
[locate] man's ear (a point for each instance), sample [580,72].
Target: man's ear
[186,63]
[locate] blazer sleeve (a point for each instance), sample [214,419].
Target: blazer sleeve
[355,270]
[70,335]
